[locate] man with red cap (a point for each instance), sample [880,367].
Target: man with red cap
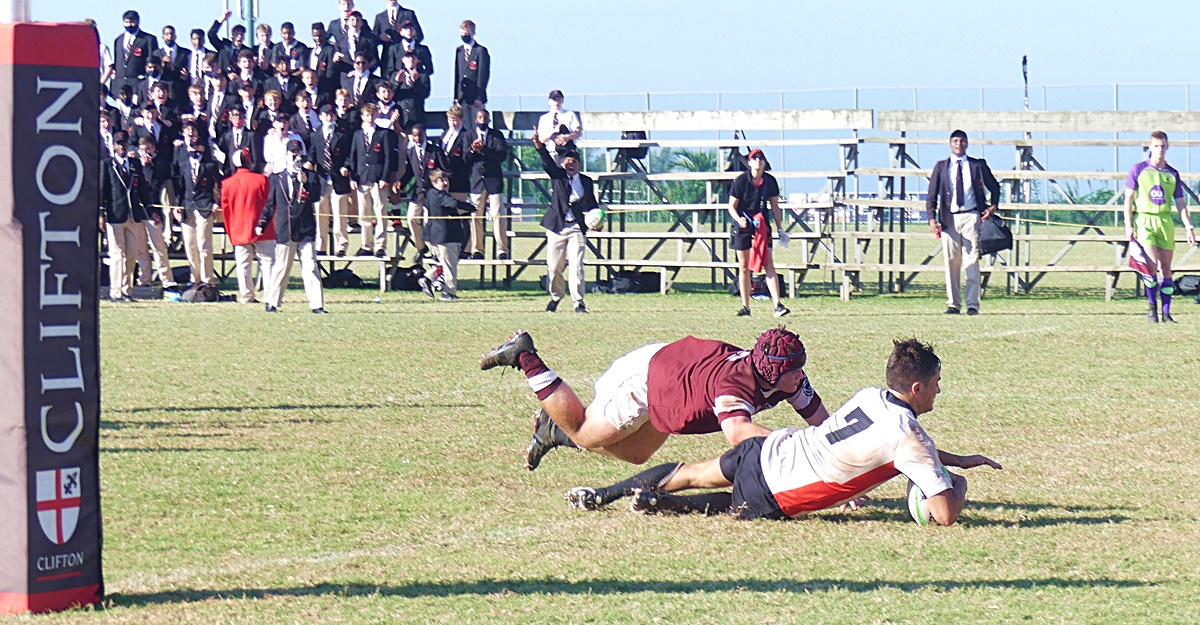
[243,196]
[691,386]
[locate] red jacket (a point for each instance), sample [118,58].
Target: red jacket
[243,197]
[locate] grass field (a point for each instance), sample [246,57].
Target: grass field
[358,468]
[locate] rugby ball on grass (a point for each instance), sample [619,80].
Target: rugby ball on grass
[594,218]
[918,504]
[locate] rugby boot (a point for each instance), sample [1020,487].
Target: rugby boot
[1152,315]
[1167,318]
[584,498]
[507,355]
[546,436]
[643,501]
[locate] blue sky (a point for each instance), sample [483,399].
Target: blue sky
[623,46]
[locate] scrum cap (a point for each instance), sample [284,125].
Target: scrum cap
[776,353]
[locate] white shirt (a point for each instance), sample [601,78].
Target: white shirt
[969,203]
[275,153]
[576,192]
[548,124]
[868,441]
[449,138]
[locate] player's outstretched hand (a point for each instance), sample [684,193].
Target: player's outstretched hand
[854,504]
[970,462]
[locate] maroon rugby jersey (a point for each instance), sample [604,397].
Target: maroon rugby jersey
[694,384]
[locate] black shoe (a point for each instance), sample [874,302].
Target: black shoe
[426,287]
[552,305]
[781,310]
[1152,315]
[744,312]
[951,311]
[381,254]
[580,308]
[320,311]
[542,441]
[341,254]
[362,251]
[447,297]
[477,256]
[584,498]
[971,312]
[508,354]
[1167,318]
[464,255]
[502,256]
[271,308]
[643,501]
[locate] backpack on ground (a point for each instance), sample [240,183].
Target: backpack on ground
[201,292]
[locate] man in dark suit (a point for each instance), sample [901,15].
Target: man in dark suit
[341,25]
[371,165]
[360,82]
[227,49]
[388,23]
[155,189]
[199,176]
[285,83]
[290,205]
[957,202]
[121,218]
[572,195]
[412,89]
[246,74]
[324,59]
[193,72]
[289,49]
[393,61]
[238,137]
[174,61]
[264,50]
[420,156]
[453,148]
[488,152]
[131,50]
[330,146]
[358,39]
[472,69]
[153,76]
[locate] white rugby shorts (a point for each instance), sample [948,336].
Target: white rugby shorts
[621,392]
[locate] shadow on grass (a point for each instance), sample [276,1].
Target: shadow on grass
[613,587]
[992,514]
[154,450]
[229,409]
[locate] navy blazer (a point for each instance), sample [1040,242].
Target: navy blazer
[131,65]
[338,152]
[486,165]
[368,164]
[471,75]
[937,200]
[560,204]
[295,219]
[198,194]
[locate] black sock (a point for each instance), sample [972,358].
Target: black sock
[650,479]
[560,438]
[707,503]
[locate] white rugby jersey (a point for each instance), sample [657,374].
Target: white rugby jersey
[871,439]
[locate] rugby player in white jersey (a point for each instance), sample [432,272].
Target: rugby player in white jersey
[871,439]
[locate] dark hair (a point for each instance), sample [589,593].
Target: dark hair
[959,134]
[131,15]
[238,30]
[1160,135]
[168,26]
[198,31]
[287,25]
[418,127]
[192,125]
[318,26]
[911,361]
[245,54]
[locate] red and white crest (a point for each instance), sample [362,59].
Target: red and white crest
[58,503]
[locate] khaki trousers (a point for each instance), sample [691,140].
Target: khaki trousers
[244,256]
[198,243]
[493,204]
[337,207]
[285,253]
[124,241]
[416,222]
[960,247]
[372,201]
[448,258]
[565,248]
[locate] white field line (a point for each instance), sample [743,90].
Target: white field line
[999,335]
[157,583]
